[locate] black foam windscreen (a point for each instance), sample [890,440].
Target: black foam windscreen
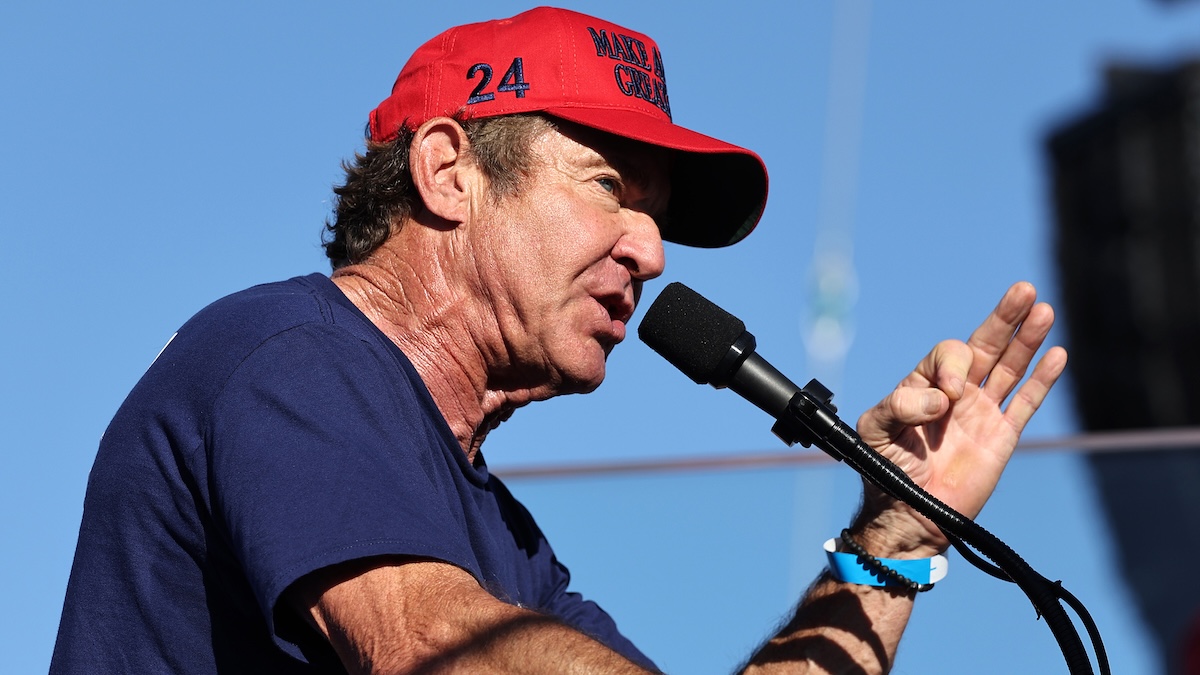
[690,331]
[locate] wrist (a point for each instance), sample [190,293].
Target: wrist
[890,529]
[860,567]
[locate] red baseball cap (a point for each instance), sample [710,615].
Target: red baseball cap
[591,72]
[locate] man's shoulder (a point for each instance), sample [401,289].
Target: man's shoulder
[285,322]
[271,306]
[243,320]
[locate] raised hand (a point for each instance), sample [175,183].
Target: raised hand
[947,426]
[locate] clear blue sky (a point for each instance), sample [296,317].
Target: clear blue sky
[157,156]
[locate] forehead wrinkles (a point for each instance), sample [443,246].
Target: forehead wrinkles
[639,163]
[645,170]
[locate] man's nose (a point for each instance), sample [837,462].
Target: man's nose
[640,248]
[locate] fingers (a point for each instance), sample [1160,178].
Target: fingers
[945,367]
[1007,341]
[1019,353]
[992,338]
[995,358]
[1031,394]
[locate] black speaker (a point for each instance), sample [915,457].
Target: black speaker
[1125,181]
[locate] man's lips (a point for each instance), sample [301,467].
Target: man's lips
[620,310]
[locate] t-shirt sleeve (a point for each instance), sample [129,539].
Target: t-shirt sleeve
[588,617]
[556,599]
[318,454]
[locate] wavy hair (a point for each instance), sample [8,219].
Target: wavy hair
[378,194]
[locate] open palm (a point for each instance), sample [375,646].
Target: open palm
[946,424]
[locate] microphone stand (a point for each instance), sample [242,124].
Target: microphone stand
[811,419]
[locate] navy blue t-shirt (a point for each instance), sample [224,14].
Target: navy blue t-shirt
[280,432]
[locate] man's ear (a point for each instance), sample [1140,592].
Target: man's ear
[442,169]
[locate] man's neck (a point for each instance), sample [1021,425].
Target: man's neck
[441,328]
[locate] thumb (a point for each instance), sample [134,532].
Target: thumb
[946,367]
[904,407]
[923,396]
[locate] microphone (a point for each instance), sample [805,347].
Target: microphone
[712,346]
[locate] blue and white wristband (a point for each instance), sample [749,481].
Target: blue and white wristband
[860,569]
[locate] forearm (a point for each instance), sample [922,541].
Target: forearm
[844,627]
[947,427]
[511,640]
[428,617]
[838,628]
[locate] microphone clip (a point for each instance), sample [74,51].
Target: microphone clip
[810,419]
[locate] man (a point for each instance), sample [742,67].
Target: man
[296,484]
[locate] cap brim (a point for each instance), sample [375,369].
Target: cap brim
[718,190]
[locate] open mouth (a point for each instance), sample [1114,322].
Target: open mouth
[619,309]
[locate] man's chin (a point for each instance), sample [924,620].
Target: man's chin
[582,370]
[582,385]
[585,380]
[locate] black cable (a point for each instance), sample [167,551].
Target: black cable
[970,556]
[1090,625]
[1093,631]
[712,346]
[810,420]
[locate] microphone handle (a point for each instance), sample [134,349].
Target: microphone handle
[763,385]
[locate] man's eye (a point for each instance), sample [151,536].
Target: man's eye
[609,184]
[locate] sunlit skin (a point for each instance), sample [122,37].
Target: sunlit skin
[499,302]
[502,301]
[952,425]
[562,263]
[947,424]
